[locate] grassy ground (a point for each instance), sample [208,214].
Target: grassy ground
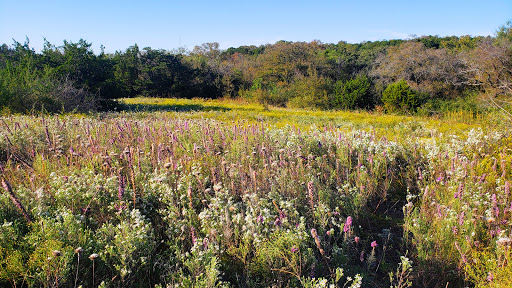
[455,122]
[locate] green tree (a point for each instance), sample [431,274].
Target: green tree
[127,70]
[505,31]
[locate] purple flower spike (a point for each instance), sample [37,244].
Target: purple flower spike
[346,228]
[7,187]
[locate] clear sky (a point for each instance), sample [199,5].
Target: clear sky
[173,24]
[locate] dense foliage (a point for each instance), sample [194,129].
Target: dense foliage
[293,74]
[399,96]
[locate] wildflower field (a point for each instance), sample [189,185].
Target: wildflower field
[190,193]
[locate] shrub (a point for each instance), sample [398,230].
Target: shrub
[399,96]
[127,247]
[24,88]
[269,94]
[353,94]
[309,93]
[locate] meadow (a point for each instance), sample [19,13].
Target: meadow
[197,193]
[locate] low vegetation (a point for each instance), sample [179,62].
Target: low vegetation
[216,193]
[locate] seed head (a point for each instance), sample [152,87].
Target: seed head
[7,187]
[311,194]
[314,233]
[56,253]
[504,241]
[93,256]
[490,220]
[193,235]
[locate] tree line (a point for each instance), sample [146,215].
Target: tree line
[394,75]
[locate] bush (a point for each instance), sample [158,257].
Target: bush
[353,94]
[309,93]
[269,94]
[399,96]
[24,88]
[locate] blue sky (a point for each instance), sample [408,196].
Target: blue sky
[173,24]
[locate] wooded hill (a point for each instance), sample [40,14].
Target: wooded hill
[421,73]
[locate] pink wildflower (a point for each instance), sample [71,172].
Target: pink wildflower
[193,235]
[461,218]
[311,194]
[490,277]
[346,228]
